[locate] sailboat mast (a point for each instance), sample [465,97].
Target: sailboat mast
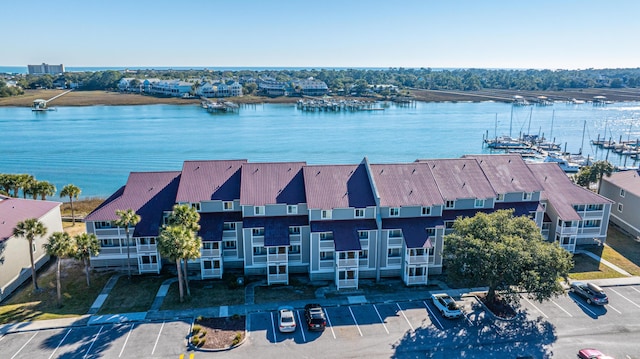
[553,114]
[530,114]
[511,121]
[584,127]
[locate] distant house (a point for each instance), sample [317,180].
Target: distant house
[271,87]
[623,188]
[174,88]
[130,84]
[219,89]
[15,266]
[310,87]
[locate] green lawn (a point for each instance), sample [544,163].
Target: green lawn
[27,305]
[135,295]
[297,290]
[621,250]
[587,268]
[204,293]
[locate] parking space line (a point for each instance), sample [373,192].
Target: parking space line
[126,340]
[326,313]
[536,308]
[25,344]
[585,307]
[558,305]
[405,317]
[381,321]
[157,339]
[634,288]
[92,342]
[609,306]
[466,316]
[432,314]
[59,344]
[629,300]
[301,326]
[273,327]
[355,321]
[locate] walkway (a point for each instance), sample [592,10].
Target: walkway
[97,304]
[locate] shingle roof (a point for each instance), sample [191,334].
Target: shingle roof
[272,183]
[337,186]
[14,210]
[212,224]
[210,180]
[507,173]
[627,180]
[148,194]
[406,184]
[345,233]
[460,178]
[561,193]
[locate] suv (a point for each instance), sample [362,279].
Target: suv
[446,305]
[591,292]
[314,316]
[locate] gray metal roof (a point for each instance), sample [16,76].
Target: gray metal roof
[627,180]
[337,186]
[406,184]
[460,178]
[210,180]
[507,173]
[272,183]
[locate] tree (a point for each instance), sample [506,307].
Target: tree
[44,189]
[593,174]
[127,219]
[87,245]
[172,243]
[60,245]
[29,229]
[507,254]
[71,191]
[187,217]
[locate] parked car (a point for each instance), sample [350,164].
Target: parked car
[592,354]
[591,292]
[314,315]
[286,319]
[446,305]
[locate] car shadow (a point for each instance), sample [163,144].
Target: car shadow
[593,311]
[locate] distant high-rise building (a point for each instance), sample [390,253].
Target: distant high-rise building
[45,69]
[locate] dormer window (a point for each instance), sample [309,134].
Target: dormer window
[426,211]
[359,213]
[449,204]
[500,197]
[258,210]
[326,214]
[394,212]
[621,192]
[292,209]
[479,203]
[227,205]
[526,196]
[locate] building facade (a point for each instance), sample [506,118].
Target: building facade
[45,69]
[342,222]
[623,189]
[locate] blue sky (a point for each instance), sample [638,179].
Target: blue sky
[348,33]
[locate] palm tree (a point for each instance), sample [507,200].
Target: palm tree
[188,217]
[172,242]
[87,245]
[60,245]
[72,191]
[24,182]
[600,169]
[127,219]
[44,189]
[30,229]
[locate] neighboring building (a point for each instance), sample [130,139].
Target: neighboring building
[174,88]
[130,84]
[152,196]
[219,89]
[310,87]
[15,265]
[45,69]
[575,215]
[342,222]
[623,188]
[271,87]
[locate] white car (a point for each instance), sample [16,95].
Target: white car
[446,305]
[286,319]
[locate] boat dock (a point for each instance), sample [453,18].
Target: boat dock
[40,105]
[317,105]
[220,106]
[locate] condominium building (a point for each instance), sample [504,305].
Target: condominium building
[45,69]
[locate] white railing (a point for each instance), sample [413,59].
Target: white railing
[591,214]
[278,278]
[422,259]
[148,267]
[417,280]
[147,247]
[114,250]
[295,238]
[210,252]
[230,253]
[295,257]
[259,259]
[326,265]
[394,262]
[326,244]
[278,257]
[569,247]
[347,262]
[347,283]
[212,273]
[590,230]
[258,241]
[395,242]
[567,230]
[110,232]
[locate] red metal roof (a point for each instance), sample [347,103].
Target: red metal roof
[14,210]
[405,184]
[460,178]
[337,186]
[507,173]
[272,183]
[210,180]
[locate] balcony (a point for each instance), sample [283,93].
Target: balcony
[416,280]
[590,230]
[394,262]
[258,241]
[327,245]
[418,260]
[277,257]
[212,273]
[210,252]
[147,248]
[106,251]
[395,242]
[347,283]
[348,262]
[278,278]
[149,267]
[591,214]
[567,230]
[231,234]
[326,265]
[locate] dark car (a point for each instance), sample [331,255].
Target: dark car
[314,316]
[591,292]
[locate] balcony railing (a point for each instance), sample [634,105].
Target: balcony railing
[395,241]
[394,262]
[418,260]
[417,279]
[591,214]
[567,230]
[148,267]
[347,283]
[230,253]
[347,262]
[212,273]
[278,257]
[326,265]
[229,234]
[116,250]
[210,252]
[147,247]
[258,241]
[325,244]
[278,278]
[590,230]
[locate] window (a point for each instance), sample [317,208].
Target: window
[394,211]
[326,214]
[149,259]
[100,225]
[500,197]
[620,207]
[294,230]
[449,204]
[364,254]
[258,210]
[259,251]
[229,226]
[294,249]
[363,234]
[359,213]
[621,192]
[426,211]
[578,207]
[395,233]
[326,236]
[526,196]
[591,223]
[227,205]
[416,252]
[595,207]
[229,244]
[448,224]
[431,232]
[34,248]
[196,206]
[292,209]
[207,265]
[393,252]
[257,231]
[479,203]
[325,256]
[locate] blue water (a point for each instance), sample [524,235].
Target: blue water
[96,147]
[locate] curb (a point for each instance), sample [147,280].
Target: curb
[214,350]
[487,310]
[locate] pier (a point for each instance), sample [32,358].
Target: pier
[41,105]
[220,106]
[318,105]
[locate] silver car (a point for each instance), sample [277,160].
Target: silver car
[591,292]
[286,319]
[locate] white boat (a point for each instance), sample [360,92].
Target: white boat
[41,105]
[568,167]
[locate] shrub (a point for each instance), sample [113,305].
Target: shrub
[236,316]
[196,328]
[196,342]
[236,339]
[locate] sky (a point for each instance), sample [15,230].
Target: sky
[544,34]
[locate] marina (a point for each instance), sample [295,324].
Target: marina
[330,105]
[161,137]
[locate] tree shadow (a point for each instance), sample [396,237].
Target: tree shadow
[2,247]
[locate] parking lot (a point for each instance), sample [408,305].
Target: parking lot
[555,328]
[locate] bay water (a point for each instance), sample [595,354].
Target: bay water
[96,147]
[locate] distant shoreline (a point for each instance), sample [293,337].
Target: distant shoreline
[111,98]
